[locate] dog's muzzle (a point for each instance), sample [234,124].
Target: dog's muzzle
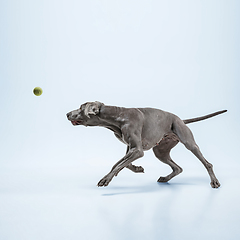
[74,122]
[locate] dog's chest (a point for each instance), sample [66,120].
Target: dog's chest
[151,136]
[148,144]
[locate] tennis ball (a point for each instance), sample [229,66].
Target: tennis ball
[37,91]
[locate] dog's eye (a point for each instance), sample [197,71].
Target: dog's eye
[81,108]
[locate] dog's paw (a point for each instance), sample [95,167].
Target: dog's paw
[163,179]
[139,169]
[215,184]
[104,181]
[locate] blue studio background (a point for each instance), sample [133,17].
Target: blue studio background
[181,56]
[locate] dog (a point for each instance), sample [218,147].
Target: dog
[142,129]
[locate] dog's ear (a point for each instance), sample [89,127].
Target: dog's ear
[92,108]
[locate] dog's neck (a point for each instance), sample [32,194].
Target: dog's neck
[110,114]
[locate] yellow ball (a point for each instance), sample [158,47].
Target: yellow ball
[37,91]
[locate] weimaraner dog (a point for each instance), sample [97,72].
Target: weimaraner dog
[142,129]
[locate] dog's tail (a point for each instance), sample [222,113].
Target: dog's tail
[204,117]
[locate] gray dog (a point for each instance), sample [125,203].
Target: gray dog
[142,129]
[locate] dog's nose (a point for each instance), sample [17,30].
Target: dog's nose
[68,115]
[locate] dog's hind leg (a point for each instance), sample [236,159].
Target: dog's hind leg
[186,137]
[162,152]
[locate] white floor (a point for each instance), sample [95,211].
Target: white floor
[63,202]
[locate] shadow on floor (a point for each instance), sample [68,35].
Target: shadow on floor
[153,187]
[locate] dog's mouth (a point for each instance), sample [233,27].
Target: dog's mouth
[76,122]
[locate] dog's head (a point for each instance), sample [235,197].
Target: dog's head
[86,115]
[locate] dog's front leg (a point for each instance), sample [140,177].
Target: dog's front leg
[132,155]
[136,169]
[131,133]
